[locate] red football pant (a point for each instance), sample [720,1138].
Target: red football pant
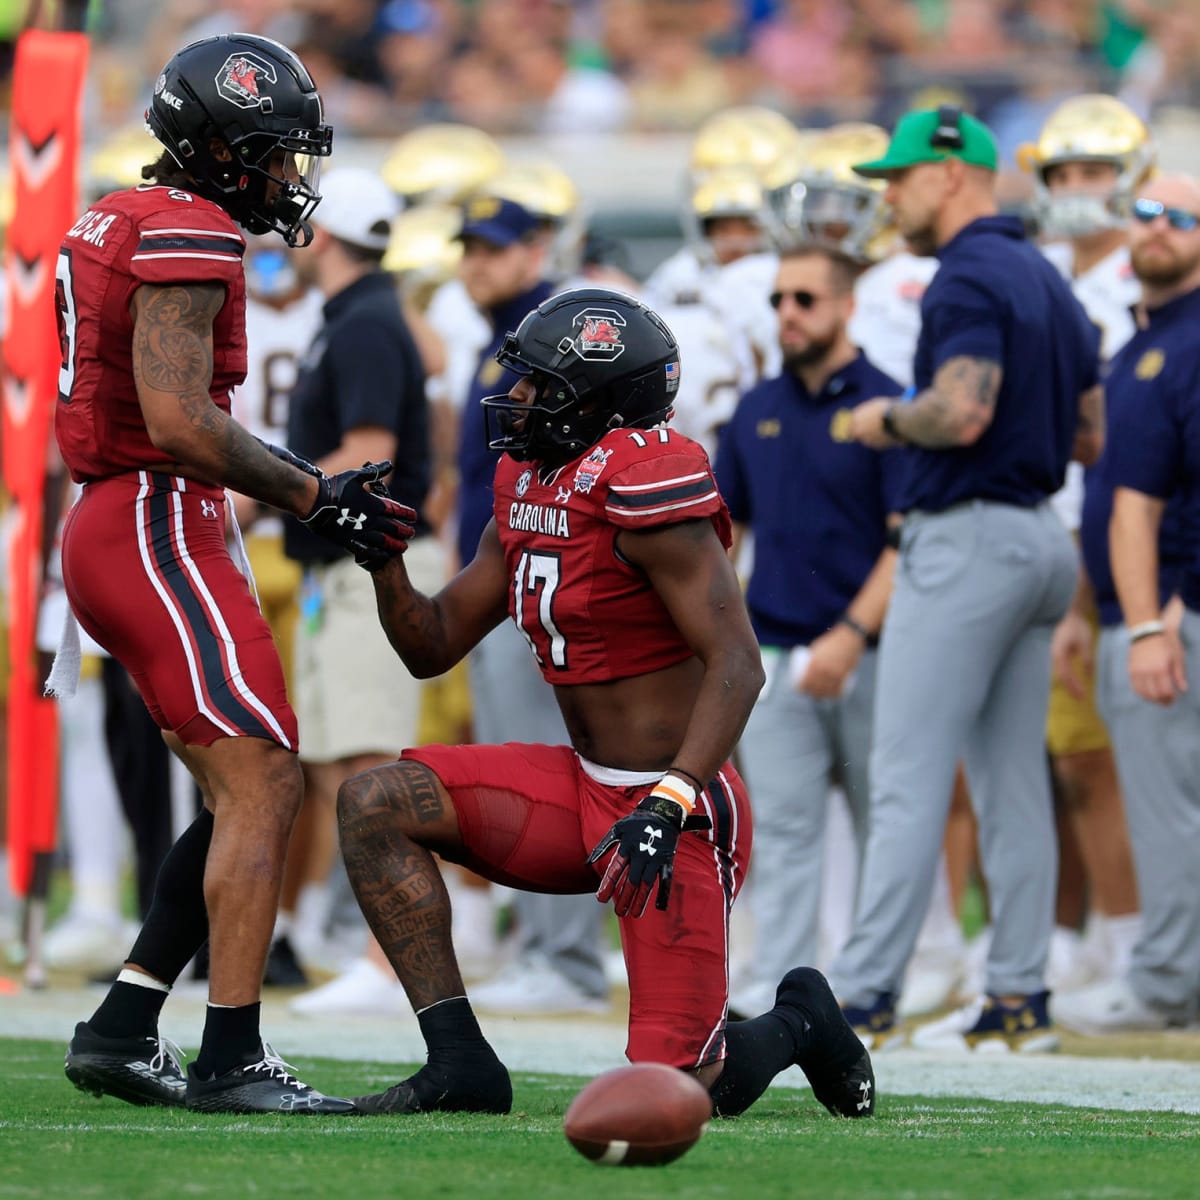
[530,816]
[149,576]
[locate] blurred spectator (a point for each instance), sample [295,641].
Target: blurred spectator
[677,82]
[414,43]
[798,51]
[1161,70]
[561,98]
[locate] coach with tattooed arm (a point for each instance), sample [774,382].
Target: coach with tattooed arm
[1005,394]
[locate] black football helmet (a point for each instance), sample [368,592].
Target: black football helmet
[255,96]
[599,359]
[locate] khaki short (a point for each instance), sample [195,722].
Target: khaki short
[277,581]
[352,694]
[1074,726]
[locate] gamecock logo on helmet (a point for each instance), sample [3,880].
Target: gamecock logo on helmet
[238,80]
[599,337]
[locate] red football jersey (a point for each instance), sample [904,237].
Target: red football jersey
[153,235]
[590,616]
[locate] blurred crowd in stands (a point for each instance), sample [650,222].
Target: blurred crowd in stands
[552,67]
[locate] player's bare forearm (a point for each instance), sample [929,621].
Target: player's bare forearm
[172,369]
[1133,549]
[1089,428]
[695,580]
[732,680]
[432,633]
[957,409]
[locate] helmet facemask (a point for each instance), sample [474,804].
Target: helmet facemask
[1077,214]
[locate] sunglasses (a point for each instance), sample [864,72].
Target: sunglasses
[1178,218]
[805,300]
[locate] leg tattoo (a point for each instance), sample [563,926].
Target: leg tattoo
[398,885]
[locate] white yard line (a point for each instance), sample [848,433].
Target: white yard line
[586,1046]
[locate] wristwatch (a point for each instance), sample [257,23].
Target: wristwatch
[889,423]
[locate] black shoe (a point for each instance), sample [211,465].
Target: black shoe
[836,1063]
[283,967]
[262,1086]
[139,1070]
[432,1089]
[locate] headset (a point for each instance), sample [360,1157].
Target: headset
[948,134]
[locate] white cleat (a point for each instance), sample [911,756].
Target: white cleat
[987,1026]
[1111,1006]
[530,986]
[85,943]
[362,990]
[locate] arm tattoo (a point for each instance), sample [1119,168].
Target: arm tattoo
[957,409]
[413,623]
[173,360]
[1091,411]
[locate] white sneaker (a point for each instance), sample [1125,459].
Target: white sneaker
[531,986]
[473,932]
[1111,1006]
[361,990]
[929,984]
[752,1000]
[985,1026]
[83,942]
[1069,966]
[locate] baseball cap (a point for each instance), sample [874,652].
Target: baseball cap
[918,138]
[496,221]
[356,207]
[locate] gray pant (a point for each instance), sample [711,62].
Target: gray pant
[1158,761]
[513,703]
[964,673]
[792,751]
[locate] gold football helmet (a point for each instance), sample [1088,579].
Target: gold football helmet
[814,194]
[443,163]
[1088,128]
[747,136]
[734,191]
[424,250]
[118,161]
[547,191]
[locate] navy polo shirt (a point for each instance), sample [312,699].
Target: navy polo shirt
[818,508]
[476,463]
[363,369]
[996,296]
[1154,439]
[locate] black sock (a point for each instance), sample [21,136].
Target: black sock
[177,924]
[462,1070]
[756,1051]
[129,1010]
[449,1028]
[231,1039]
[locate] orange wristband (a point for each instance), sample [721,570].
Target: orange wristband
[679,790]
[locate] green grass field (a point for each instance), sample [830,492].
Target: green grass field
[55,1141]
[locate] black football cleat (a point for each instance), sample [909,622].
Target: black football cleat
[283,968]
[138,1070]
[835,1062]
[264,1086]
[486,1089]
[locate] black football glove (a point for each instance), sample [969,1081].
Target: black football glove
[646,841]
[352,512]
[285,455]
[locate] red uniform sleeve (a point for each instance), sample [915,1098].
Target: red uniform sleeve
[665,488]
[187,241]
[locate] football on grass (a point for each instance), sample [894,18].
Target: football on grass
[641,1115]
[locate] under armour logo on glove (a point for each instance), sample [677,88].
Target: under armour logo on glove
[645,840]
[647,847]
[353,510]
